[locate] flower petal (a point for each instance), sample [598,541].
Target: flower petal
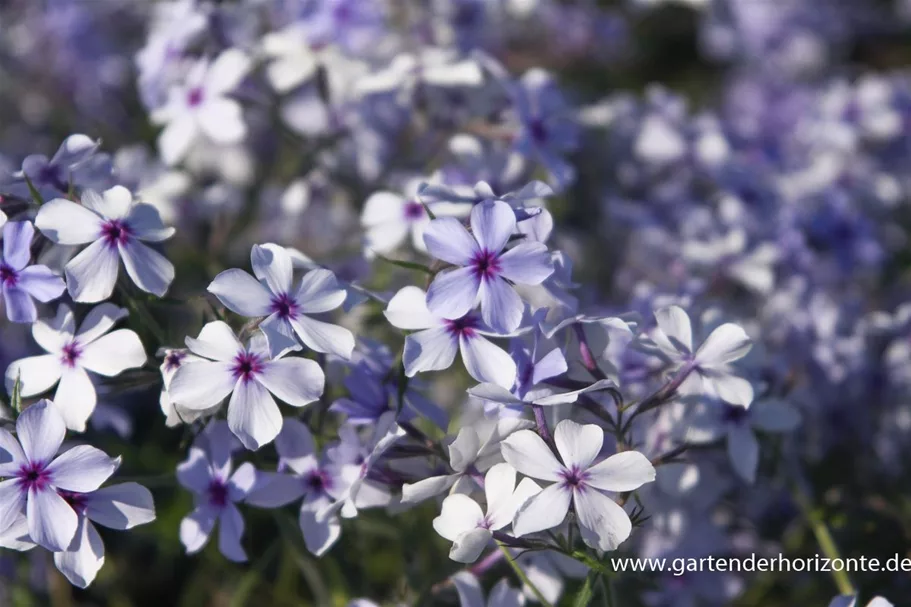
[429,350]
[99,321]
[41,283]
[253,416]
[111,354]
[528,263]
[82,469]
[55,333]
[424,489]
[17,242]
[19,305]
[324,337]
[222,121]
[408,310]
[272,265]
[68,223]
[92,274]
[578,444]
[543,511]
[492,223]
[626,471]
[774,416]
[501,306]
[453,293]
[468,546]
[216,341]
[84,557]
[603,523]
[175,140]
[52,523]
[36,374]
[295,446]
[297,381]
[40,430]
[674,334]
[499,484]
[529,454]
[121,506]
[459,514]
[486,362]
[149,269]
[743,451]
[196,528]
[320,532]
[447,239]
[113,203]
[725,344]
[198,386]
[146,224]
[230,530]
[75,398]
[241,293]
[720,383]
[319,292]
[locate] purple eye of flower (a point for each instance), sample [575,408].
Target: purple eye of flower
[77,501]
[194,96]
[342,12]
[33,476]
[574,478]
[52,174]
[70,354]
[538,130]
[462,326]
[317,481]
[246,366]
[8,276]
[284,306]
[486,264]
[115,232]
[218,493]
[414,210]
[174,359]
[734,414]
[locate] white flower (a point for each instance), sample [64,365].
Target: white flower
[468,528]
[201,104]
[710,371]
[70,354]
[470,594]
[172,360]
[250,376]
[851,601]
[116,227]
[603,523]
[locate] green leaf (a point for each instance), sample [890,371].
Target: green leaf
[587,592]
[33,191]
[408,265]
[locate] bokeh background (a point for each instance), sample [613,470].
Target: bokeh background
[74,66]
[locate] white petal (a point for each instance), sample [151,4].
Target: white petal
[92,274]
[674,334]
[469,589]
[75,398]
[12,503]
[121,506]
[196,528]
[65,222]
[499,483]
[429,350]
[578,444]
[201,385]
[503,595]
[230,530]
[295,446]
[725,344]
[383,207]
[563,398]
[111,354]
[272,265]
[280,335]
[175,140]
[501,306]
[545,510]
[51,522]
[82,469]
[625,471]
[729,388]
[530,455]
[468,546]
[386,237]
[40,430]
[603,523]
[241,293]
[743,451]
[528,263]
[84,557]
[320,533]
[495,393]
[774,416]
[216,341]
[447,239]
[227,71]
[36,374]
[145,222]
[114,203]
[408,310]
[492,223]
[319,292]
[222,120]
[53,334]
[486,362]
[149,269]
[413,493]
[99,321]
[297,381]
[11,457]
[324,337]
[453,293]
[253,416]
[459,514]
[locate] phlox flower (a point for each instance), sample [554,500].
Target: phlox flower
[38,479]
[171,360]
[470,529]
[433,345]
[486,270]
[217,487]
[287,312]
[21,282]
[201,105]
[471,595]
[851,601]
[251,376]
[577,480]
[710,372]
[52,177]
[71,355]
[115,228]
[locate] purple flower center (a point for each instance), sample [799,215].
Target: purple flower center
[735,415]
[174,359]
[414,210]
[462,326]
[538,130]
[115,232]
[246,366]
[218,493]
[33,476]
[77,501]
[574,478]
[70,354]
[194,96]
[342,12]
[284,306]
[317,481]
[486,264]
[52,174]
[8,276]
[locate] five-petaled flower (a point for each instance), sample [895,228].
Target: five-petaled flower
[19,281]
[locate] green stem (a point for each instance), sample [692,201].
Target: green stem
[823,538]
[522,576]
